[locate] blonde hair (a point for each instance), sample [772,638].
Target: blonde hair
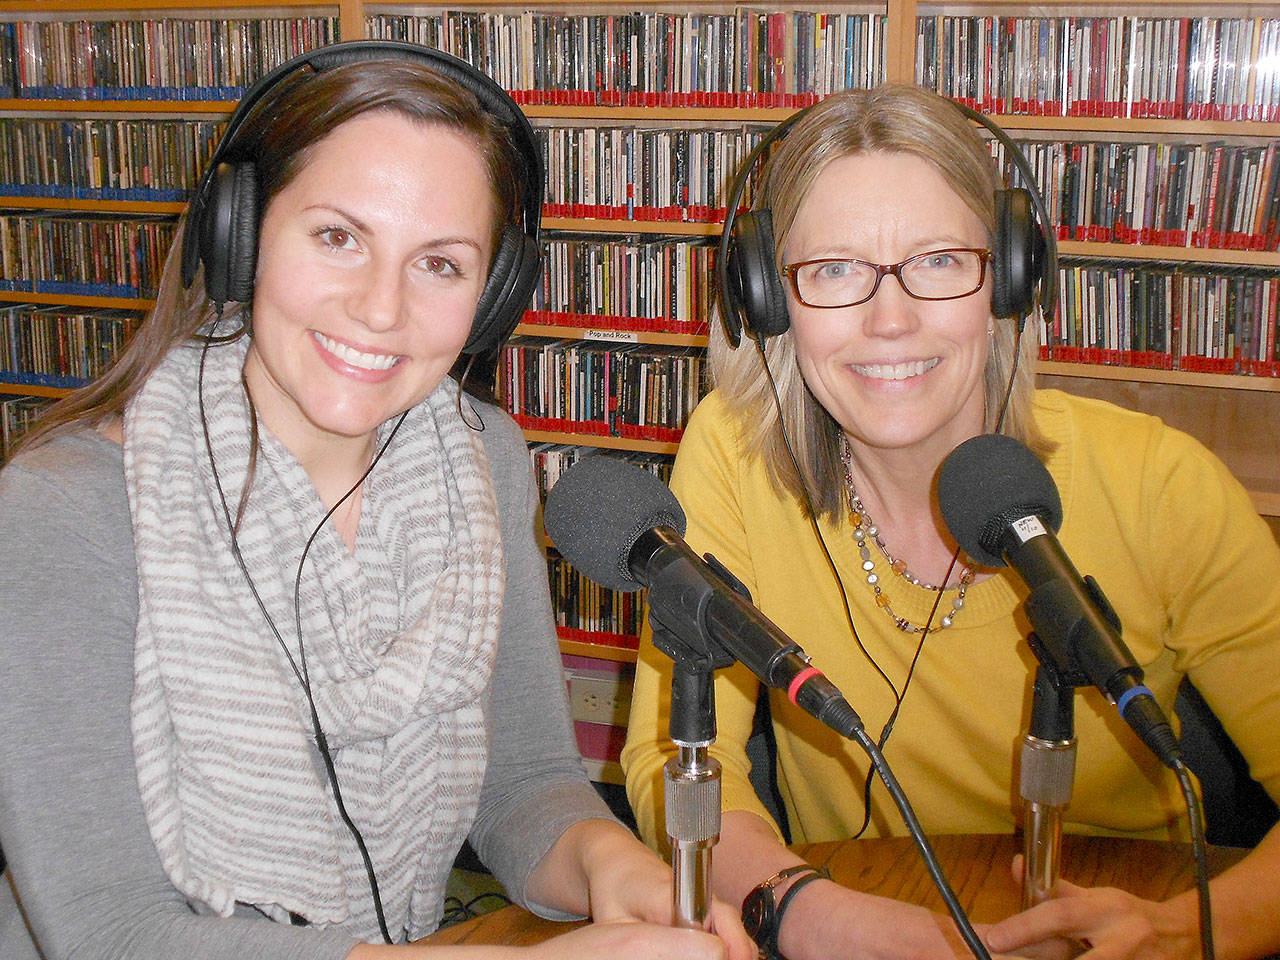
[895,118]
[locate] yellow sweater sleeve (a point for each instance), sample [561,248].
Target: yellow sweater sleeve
[1217,566]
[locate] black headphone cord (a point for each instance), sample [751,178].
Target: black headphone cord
[955,558]
[322,742]
[898,697]
[813,518]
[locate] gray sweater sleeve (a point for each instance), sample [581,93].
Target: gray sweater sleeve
[71,824]
[80,857]
[535,787]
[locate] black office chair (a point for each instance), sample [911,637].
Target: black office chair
[1237,811]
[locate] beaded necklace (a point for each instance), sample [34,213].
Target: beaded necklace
[864,528]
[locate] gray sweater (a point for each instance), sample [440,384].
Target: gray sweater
[80,858]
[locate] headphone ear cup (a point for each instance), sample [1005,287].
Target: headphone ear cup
[755,291]
[228,233]
[513,276]
[1018,257]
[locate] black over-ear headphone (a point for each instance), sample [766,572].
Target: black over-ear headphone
[222,220]
[752,296]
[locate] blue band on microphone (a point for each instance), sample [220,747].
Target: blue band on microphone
[1129,694]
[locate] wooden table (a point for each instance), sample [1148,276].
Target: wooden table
[977,868]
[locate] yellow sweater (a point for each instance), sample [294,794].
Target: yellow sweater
[1170,536]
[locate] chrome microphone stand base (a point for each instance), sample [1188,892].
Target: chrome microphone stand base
[691,784]
[691,779]
[1048,766]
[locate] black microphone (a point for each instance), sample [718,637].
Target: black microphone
[621,527]
[1002,506]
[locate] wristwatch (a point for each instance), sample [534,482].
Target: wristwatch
[762,918]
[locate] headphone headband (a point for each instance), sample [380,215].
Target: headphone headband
[1049,270]
[222,218]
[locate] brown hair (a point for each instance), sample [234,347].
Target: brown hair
[279,134]
[895,118]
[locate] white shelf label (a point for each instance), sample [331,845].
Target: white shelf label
[617,336]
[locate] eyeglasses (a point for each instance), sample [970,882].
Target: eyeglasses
[937,275]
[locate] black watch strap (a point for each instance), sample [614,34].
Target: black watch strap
[819,873]
[763,917]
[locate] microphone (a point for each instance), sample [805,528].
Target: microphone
[1002,506]
[621,527]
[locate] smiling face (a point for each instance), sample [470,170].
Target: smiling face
[896,373]
[370,264]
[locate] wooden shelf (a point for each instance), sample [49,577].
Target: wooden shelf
[1265,492]
[1238,9]
[583,225]
[8,7]
[32,390]
[611,336]
[87,108]
[604,771]
[1137,251]
[1188,378]
[681,115]
[598,651]
[596,440]
[104,206]
[1243,129]
[70,300]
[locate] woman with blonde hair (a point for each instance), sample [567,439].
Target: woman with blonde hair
[884,280]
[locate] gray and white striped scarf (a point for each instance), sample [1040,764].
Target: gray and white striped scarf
[399,638]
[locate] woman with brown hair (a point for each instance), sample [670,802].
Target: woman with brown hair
[278,637]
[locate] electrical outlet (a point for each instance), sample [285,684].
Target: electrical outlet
[598,700]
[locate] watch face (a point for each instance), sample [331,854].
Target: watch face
[755,912]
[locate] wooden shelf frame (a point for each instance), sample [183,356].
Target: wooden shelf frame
[16,9]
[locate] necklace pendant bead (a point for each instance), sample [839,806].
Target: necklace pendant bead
[864,527]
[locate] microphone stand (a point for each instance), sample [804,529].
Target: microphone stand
[1047,772]
[691,779]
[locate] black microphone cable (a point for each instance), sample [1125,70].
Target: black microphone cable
[1195,815]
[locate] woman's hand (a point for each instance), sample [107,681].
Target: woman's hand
[636,941]
[1101,922]
[627,884]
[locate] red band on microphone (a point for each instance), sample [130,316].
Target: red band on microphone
[794,689]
